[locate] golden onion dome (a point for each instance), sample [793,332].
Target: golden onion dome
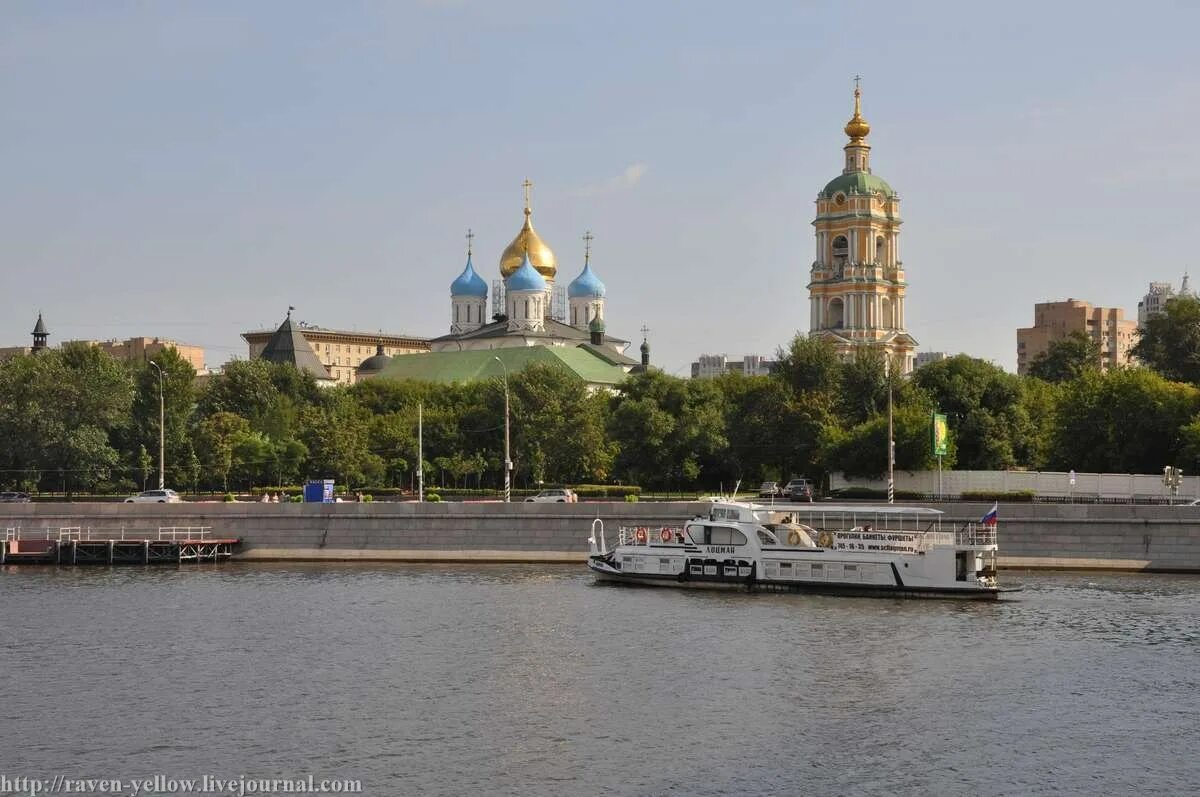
[527,240]
[857,128]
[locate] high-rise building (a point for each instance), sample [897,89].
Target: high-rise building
[1155,300]
[927,357]
[857,286]
[708,366]
[129,349]
[1056,320]
[147,349]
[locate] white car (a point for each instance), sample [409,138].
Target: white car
[154,497]
[562,496]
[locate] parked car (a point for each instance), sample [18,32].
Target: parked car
[154,497]
[14,498]
[559,496]
[799,489]
[769,490]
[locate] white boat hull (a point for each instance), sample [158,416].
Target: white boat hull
[605,573]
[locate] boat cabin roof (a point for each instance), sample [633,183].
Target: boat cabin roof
[859,509]
[824,516]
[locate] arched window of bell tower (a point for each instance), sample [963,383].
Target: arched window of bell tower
[836,314]
[841,250]
[880,250]
[889,320]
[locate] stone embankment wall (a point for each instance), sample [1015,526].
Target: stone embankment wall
[492,532]
[1119,537]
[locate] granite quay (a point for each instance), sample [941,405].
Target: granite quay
[1053,536]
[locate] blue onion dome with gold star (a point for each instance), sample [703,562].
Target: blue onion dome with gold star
[469,283]
[586,285]
[525,278]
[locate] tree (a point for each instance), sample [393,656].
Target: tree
[862,450]
[336,434]
[558,428]
[1125,421]
[215,440]
[984,410]
[144,464]
[864,385]
[809,364]
[669,431]
[773,434]
[266,394]
[60,411]
[1066,358]
[252,458]
[1170,343]
[179,407]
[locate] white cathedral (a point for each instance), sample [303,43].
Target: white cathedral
[528,309]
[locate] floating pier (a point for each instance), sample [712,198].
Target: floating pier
[77,545]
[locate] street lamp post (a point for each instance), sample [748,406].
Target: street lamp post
[507,458]
[891,439]
[162,483]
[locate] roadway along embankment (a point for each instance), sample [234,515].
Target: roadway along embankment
[1057,536]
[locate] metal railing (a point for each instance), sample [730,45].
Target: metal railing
[175,533]
[117,533]
[975,534]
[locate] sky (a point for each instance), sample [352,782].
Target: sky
[188,170]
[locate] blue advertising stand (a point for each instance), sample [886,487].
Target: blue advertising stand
[318,491]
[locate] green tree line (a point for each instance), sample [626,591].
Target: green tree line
[74,419]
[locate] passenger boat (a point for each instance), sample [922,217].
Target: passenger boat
[851,549]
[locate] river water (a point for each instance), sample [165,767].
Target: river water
[533,680]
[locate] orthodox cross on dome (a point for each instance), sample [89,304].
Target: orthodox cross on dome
[528,186]
[645,332]
[857,81]
[587,246]
[470,240]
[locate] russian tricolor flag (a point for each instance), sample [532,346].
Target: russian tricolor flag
[992,514]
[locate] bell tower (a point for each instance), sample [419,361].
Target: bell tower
[856,284]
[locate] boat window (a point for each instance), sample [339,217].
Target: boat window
[767,538]
[723,535]
[697,533]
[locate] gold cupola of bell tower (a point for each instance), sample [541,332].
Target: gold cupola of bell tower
[527,240]
[857,128]
[858,151]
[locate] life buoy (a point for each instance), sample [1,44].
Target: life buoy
[825,539]
[665,534]
[640,534]
[793,537]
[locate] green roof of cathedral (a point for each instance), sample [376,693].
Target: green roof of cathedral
[857,183]
[470,366]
